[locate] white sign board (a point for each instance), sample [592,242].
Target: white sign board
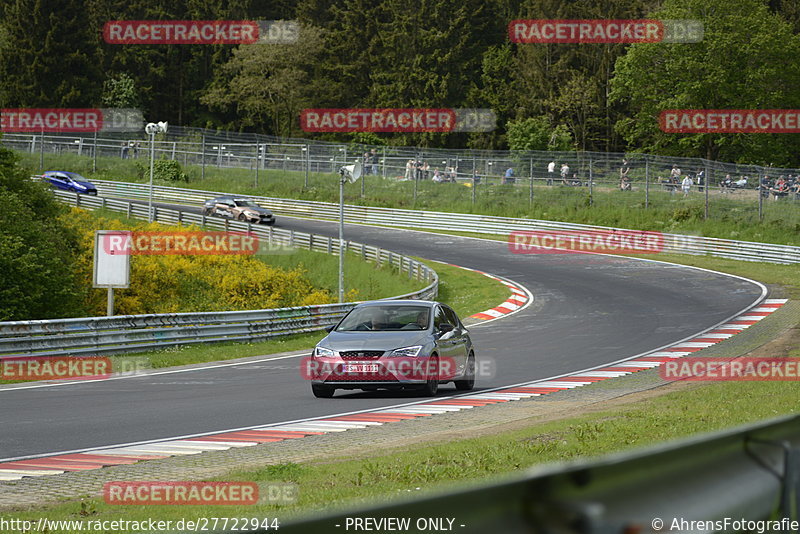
[112,263]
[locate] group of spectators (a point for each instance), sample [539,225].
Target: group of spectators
[130,149]
[370,162]
[417,169]
[566,179]
[780,188]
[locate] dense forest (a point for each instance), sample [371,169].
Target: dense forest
[421,53]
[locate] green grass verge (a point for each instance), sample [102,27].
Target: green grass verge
[733,216]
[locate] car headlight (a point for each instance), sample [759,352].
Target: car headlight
[407,351]
[323,352]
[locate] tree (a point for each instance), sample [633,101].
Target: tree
[37,255]
[537,133]
[747,60]
[47,59]
[119,91]
[268,86]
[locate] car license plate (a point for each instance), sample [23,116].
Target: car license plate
[361,368]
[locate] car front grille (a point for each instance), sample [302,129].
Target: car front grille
[361,354]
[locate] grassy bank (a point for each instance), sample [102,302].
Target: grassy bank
[731,216]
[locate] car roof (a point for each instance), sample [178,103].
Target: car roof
[428,303]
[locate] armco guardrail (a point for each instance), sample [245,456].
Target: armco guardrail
[465,222]
[129,333]
[749,473]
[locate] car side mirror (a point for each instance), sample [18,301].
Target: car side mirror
[445,327]
[330,328]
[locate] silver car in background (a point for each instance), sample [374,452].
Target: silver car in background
[404,344]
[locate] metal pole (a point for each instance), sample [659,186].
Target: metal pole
[591,191]
[384,162]
[308,164]
[110,302]
[706,182]
[41,152]
[760,198]
[94,153]
[530,194]
[152,160]
[417,171]
[258,149]
[203,158]
[341,238]
[646,183]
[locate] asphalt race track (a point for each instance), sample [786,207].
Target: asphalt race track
[588,310]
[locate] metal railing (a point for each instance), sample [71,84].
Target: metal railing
[129,333]
[464,222]
[749,473]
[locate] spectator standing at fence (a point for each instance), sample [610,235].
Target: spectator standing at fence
[624,181]
[551,172]
[675,174]
[374,160]
[686,185]
[564,173]
[123,151]
[409,169]
[509,177]
[365,163]
[426,169]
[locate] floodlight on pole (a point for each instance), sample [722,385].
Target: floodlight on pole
[152,129]
[349,173]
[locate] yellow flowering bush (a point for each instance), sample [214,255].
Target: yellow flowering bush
[188,283]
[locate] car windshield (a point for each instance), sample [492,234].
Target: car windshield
[386,318]
[75,176]
[245,204]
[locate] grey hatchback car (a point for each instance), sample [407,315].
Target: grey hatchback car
[402,344]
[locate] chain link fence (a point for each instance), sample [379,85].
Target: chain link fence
[592,178]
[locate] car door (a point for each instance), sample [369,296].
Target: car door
[460,339]
[60,181]
[446,344]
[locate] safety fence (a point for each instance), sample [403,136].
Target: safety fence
[464,222]
[726,186]
[745,479]
[130,333]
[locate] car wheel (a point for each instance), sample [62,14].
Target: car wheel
[431,387]
[322,392]
[468,382]
[242,217]
[208,212]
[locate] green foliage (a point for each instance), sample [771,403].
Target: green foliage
[119,91]
[537,133]
[746,60]
[37,256]
[163,169]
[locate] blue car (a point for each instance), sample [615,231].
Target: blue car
[69,181]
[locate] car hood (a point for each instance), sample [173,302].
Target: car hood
[340,341]
[259,210]
[85,185]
